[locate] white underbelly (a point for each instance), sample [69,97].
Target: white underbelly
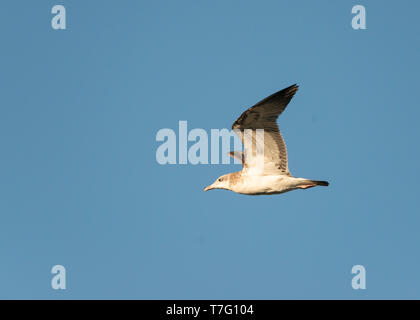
[264,184]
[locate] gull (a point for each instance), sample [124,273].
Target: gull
[264,160]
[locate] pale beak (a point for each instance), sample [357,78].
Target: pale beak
[208,188]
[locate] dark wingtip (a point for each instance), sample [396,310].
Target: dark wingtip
[290,91]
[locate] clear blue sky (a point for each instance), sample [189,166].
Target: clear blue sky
[80,185]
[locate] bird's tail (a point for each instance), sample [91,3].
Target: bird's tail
[320,183]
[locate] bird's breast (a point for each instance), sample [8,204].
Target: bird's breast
[262,184]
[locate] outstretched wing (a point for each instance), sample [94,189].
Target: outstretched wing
[264,115]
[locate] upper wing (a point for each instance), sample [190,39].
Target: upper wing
[264,115]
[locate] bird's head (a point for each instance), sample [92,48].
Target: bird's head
[221,183]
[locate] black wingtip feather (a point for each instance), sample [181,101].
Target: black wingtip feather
[280,99]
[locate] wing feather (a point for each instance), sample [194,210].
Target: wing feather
[263,115]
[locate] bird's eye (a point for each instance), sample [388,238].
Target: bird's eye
[220,179]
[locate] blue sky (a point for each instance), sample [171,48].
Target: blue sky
[80,185]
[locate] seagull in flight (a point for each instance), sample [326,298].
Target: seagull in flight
[264,172]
